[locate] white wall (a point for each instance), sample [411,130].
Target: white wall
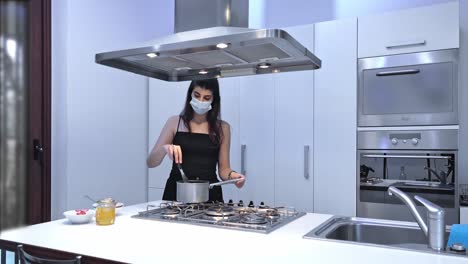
[280,13]
[99,122]
[59,107]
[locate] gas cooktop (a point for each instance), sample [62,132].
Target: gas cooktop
[262,218]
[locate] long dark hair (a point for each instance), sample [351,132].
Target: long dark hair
[213,116]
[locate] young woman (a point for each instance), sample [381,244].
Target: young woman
[198,140]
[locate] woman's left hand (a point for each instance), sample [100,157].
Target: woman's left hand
[240,183]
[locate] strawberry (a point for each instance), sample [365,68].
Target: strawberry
[81,211]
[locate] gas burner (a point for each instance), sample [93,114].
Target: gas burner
[371,180]
[220,210]
[170,211]
[272,214]
[214,218]
[265,209]
[172,205]
[253,219]
[245,210]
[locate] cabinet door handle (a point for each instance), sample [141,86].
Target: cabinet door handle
[402,72]
[404,156]
[403,44]
[243,171]
[306,162]
[38,151]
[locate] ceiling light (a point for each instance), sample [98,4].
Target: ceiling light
[152,55]
[264,65]
[182,69]
[222,45]
[203,72]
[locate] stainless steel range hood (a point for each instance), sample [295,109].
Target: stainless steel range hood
[221,51]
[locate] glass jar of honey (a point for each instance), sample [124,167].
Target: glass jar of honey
[105,212]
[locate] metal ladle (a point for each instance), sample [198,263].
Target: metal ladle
[91,199]
[184,178]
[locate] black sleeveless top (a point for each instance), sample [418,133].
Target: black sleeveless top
[199,159]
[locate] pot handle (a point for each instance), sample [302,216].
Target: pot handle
[224,182]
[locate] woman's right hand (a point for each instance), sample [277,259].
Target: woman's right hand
[174,152]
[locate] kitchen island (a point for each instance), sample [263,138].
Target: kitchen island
[132,240]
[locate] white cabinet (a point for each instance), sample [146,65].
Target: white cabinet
[229,90]
[335,118]
[256,108]
[418,29]
[294,98]
[165,100]
[463,215]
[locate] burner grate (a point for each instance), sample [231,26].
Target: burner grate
[256,219]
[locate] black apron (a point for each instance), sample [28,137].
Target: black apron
[199,160]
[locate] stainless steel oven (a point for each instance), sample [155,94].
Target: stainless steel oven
[418,162]
[409,89]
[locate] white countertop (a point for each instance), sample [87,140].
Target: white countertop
[145,241]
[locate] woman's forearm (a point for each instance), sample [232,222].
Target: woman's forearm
[156,157]
[224,173]
[166,137]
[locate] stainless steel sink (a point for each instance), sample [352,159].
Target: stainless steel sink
[424,184]
[377,232]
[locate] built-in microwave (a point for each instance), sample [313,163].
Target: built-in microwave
[409,89]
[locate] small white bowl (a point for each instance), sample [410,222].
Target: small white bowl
[77,216]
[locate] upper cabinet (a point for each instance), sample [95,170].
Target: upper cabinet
[433,27]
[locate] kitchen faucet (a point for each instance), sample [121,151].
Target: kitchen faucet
[435,228]
[441,175]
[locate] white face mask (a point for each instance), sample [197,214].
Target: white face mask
[200,107]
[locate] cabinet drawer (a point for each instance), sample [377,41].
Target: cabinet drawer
[419,29]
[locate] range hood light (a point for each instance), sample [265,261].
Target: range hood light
[152,55]
[203,72]
[276,70]
[182,69]
[264,65]
[222,45]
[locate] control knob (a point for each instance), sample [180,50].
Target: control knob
[394,141]
[241,203]
[251,204]
[230,202]
[415,141]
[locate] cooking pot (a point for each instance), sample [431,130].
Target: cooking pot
[197,191]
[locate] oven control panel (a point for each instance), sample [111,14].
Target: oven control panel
[414,140]
[405,138]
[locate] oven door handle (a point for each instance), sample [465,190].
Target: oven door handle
[405,156]
[401,72]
